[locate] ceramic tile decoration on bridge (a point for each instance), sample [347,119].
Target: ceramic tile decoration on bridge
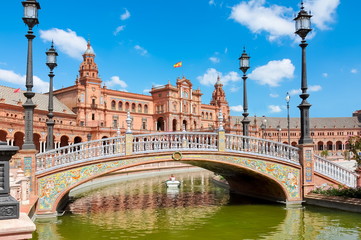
[275,165]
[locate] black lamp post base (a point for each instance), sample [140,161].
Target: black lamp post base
[9,208]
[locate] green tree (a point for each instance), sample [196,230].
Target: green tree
[324,153]
[354,146]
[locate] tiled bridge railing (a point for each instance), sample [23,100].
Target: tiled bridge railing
[160,142]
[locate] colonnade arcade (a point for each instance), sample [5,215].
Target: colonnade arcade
[17,139]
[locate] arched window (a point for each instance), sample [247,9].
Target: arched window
[210,116]
[146,108]
[113,105]
[320,146]
[127,106]
[206,115]
[338,145]
[329,145]
[202,114]
[120,106]
[139,108]
[133,107]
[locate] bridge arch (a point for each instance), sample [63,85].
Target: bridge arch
[272,179]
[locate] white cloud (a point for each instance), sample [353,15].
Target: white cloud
[147,91]
[274,95]
[12,77]
[214,59]
[325,75]
[323,12]
[114,81]
[141,50]
[238,108]
[234,89]
[125,15]
[274,109]
[67,41]
[211,2]
[119,29]
[312,88]
[210,77]
[275,20]
[226,50]
[273,72]
[354,71]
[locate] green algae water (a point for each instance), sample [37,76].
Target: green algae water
[146,209]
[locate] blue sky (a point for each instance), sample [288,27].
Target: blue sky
[137,42]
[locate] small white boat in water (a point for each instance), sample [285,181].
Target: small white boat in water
[172,183]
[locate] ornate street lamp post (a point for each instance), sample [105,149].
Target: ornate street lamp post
[51,55]
[288,98]
[244,66]
[279,129]
[303,27]
[30,18]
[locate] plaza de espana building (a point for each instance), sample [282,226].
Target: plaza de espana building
[89,110]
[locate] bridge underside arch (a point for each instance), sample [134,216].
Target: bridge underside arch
[264,178]
[247,182]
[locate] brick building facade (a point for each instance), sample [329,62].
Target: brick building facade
[88,110]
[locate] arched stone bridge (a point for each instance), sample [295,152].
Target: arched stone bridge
[252,166]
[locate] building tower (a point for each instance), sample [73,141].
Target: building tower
[219,100]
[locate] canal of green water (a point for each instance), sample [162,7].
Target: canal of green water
[146,209]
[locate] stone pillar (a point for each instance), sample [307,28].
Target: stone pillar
[307,165]
[221,141]
[129,143]
[358,172]
[29,167]
[9,207]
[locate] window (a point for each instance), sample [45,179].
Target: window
[93,116]
[133,107]
[139,108]
[144,123]
[113,105]
[145,108]
[120,106]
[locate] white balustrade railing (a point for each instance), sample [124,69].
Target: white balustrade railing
[158,142]
[335,171]
[80,152]
[237,143]
[176,140]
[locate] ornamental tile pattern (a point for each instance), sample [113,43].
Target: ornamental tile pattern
[52,186]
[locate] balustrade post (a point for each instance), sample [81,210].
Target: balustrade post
[129,143]
[306,157]
[221,141]
[358,171]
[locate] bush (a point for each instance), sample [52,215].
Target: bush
[340,191]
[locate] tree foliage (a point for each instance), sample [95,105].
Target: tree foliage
[354,146]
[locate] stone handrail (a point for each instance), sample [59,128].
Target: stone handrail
[237,143]
[80,152]
[161,142]
[175,141]
[335,171]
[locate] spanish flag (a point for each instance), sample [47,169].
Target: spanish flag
[17,90]
[178,64]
